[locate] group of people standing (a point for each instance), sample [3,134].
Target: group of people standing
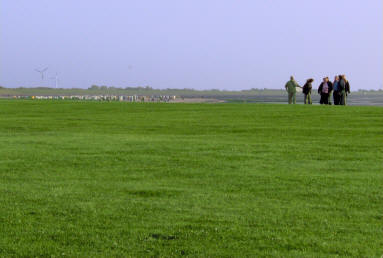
[338,90]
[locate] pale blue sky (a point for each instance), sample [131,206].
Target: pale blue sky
[201,44]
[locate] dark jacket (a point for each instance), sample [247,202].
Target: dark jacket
[321,86]
[307,88]
[344,86]
[347,87]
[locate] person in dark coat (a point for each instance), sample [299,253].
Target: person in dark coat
[307,91]
[330,92]
[324,90]
[336,93]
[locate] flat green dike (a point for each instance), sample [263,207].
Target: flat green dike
[96,179]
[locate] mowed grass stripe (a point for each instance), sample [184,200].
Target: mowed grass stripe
[124,179]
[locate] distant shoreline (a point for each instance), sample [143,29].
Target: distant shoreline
[147,94]
[104,90]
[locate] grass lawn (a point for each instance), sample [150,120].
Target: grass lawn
[94,179]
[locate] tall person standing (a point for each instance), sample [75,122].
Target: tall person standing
[330,91]
[344,87]
[307,91]
[347,89]
[291,88]
[324,90]
[336,93]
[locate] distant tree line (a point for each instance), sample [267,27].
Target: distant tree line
[104,87]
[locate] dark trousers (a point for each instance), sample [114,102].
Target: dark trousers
[336,97]
[324,98]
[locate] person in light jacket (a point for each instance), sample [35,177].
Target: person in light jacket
[291,88]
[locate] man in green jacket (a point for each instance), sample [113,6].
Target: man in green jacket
[291,88]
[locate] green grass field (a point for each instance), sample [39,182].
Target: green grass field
[90,179]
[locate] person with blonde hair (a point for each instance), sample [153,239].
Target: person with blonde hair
[344,87]
[291,88]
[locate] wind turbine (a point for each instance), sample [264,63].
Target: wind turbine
[56,78]
[42,72]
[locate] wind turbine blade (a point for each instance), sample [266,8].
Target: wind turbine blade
[37,70]
[45,69]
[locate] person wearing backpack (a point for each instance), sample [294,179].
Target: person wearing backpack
[291,88]
[324,90]
[307,91]
[344,87]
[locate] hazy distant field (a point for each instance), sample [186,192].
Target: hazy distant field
[359,98]
[93,179]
